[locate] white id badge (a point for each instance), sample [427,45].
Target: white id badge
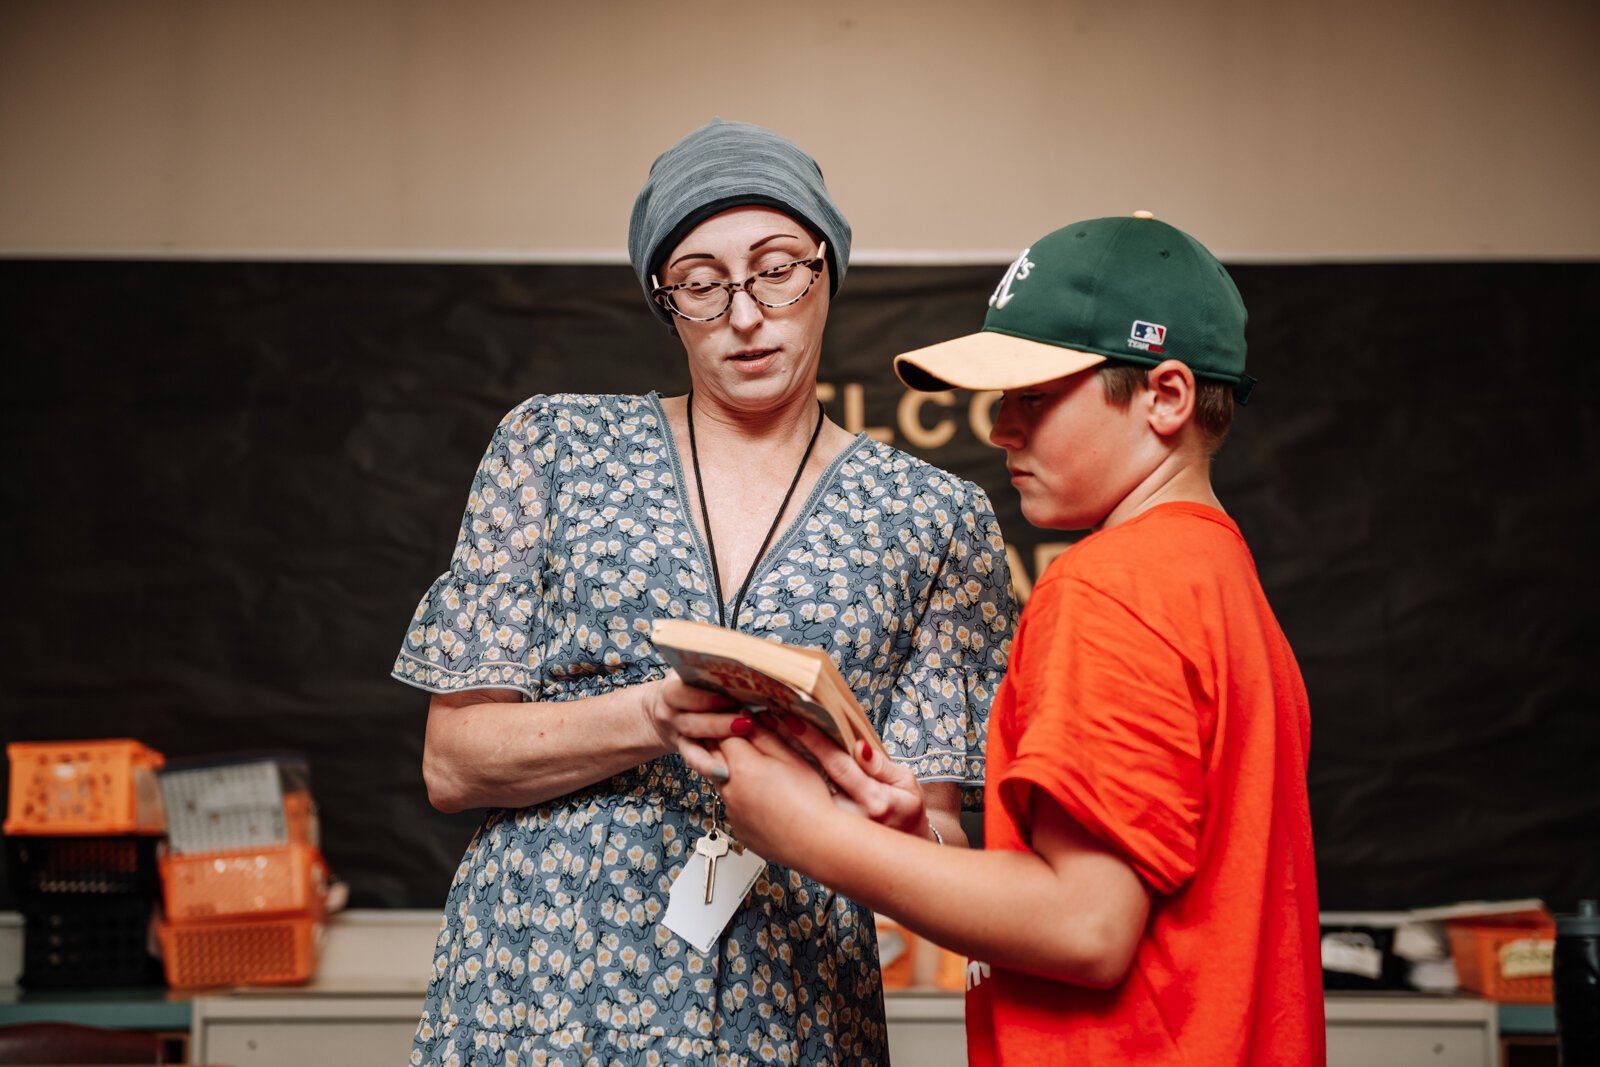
[689,916]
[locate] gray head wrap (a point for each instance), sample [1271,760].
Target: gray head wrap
[724,165]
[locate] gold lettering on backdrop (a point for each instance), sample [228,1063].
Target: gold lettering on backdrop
[980,414]
[909,418]
[909,415]
[855,414]
[855,410]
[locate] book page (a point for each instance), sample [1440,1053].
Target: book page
[753,689]
[795,666]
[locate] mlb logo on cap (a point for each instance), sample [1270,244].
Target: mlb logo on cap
[1148,336]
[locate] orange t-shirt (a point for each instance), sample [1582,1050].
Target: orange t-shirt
[1153,696]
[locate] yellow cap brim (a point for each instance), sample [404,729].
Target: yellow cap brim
[989,360]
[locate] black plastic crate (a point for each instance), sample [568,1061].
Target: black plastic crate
[123,865]
[84,940]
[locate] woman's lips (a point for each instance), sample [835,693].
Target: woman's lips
[754,361]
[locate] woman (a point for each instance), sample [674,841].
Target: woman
[739,504]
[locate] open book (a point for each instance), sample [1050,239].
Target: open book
[765,676]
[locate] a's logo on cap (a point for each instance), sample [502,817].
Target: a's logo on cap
[1018,271]
[1147,336]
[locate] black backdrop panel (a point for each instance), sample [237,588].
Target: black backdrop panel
[227,484]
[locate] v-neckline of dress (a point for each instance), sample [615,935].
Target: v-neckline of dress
[780,545]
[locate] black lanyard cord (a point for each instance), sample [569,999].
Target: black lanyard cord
[705,516]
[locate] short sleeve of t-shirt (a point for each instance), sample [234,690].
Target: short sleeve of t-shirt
[1105,721]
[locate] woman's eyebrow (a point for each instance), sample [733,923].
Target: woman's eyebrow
[690,255]
[773,237]
[707,255]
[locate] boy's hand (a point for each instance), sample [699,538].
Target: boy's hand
[774,798]
[869,783]
[775,801]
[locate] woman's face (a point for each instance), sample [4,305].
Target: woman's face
[753,358]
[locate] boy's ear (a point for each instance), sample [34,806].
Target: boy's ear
[1171,398]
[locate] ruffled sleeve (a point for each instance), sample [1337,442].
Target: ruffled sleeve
[939,717]
[483,623]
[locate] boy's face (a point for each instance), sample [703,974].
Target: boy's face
[1073,456]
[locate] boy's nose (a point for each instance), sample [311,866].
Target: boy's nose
[1003,432]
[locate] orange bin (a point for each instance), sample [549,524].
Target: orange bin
[300,818]
[897,953]
[950,973]
[251,882]
[83,787]
[1508,961]
[252,952]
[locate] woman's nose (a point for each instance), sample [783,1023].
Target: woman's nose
[744,313]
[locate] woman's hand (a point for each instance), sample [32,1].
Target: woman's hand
[684,716]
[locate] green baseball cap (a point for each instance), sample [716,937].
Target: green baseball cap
[1128,289]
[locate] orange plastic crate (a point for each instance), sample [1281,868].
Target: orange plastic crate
[1501,961]
[83,787]
[300,818]
[898,950]
[252,952]
[256,882]
[950,973]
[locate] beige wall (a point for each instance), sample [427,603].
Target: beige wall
[948,130]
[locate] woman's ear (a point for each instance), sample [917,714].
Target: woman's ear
[1171,397]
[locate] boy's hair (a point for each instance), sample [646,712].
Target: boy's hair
[1213,400]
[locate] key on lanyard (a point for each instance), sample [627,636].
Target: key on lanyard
[711,846]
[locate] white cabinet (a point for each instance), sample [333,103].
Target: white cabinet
[926,1029]
[353,1019]
[1411,1030]
[304,1029]
[311,1026]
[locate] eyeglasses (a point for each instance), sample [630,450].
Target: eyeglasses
[775,287]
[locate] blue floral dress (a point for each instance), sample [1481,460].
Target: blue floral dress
[575,537]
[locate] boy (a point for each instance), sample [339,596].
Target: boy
[1147,890]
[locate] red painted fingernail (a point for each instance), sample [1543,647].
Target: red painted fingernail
[794,725]
[741,725]
[866,752]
